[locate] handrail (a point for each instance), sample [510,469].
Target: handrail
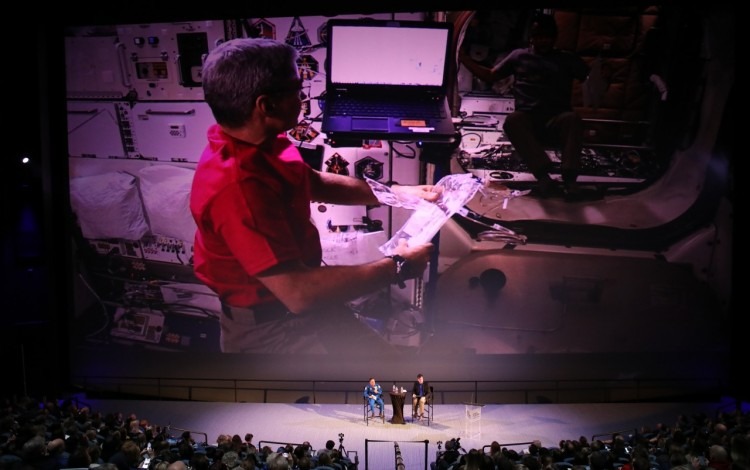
[399,459]
[612,433]
[487,446]
[205,435]
[450,391]
[295,445]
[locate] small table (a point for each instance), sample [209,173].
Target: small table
[397,399]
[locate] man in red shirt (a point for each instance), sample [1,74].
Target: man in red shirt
[256,246]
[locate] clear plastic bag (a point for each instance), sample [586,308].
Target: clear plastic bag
[428,217]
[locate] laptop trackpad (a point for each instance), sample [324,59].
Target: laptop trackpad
[369,124]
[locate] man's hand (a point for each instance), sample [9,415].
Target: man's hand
[427,192]
[418,257]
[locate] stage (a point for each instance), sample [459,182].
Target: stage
[277,423]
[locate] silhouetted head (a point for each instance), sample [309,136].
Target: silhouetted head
[543,33]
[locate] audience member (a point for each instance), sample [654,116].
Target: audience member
[303,449]
[600,460]
[325,462]
[502,462]
[56,449]
[230,459]
[447,458]
[475,460]
[278,462]
[330,445]
[112,442]
[531,462]
[494,448]
[80,458]
[129,456]
[200,461]
[35,454]
[739,451]
[177,465]
[185,451]
[718,458]
[249,441]
[304,463]
[156,465]
[23,445]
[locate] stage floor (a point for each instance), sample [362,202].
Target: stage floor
[276,423]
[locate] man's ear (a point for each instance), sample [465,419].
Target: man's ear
[265,105]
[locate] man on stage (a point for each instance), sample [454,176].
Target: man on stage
[374,394]
[420,392]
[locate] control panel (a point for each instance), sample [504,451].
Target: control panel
[168,330]
[126,248]
[138,325]
[167,250]
[163,61]
[476,102]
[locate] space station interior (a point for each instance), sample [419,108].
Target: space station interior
[517,267]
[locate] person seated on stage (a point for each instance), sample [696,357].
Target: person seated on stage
[420,392]
[374,394]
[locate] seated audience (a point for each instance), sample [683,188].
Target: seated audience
[35,435]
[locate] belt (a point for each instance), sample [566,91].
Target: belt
[263,313]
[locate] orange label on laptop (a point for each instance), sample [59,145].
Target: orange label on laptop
[413,123]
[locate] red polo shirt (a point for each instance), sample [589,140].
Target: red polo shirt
[252,209]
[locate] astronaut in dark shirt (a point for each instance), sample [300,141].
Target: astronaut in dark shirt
[543,78]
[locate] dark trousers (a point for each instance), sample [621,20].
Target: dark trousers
[529,133]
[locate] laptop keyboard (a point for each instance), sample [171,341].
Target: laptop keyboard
[363,107]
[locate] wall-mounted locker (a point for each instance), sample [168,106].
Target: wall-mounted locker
[171,131]
[99,129]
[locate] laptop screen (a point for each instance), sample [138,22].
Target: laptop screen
[377,52]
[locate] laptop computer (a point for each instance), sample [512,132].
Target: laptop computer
[396,72]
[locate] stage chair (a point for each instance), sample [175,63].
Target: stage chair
[428,407]
[366,409]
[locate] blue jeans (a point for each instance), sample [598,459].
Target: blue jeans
[373,402]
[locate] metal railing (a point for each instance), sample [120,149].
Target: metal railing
[448,391]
